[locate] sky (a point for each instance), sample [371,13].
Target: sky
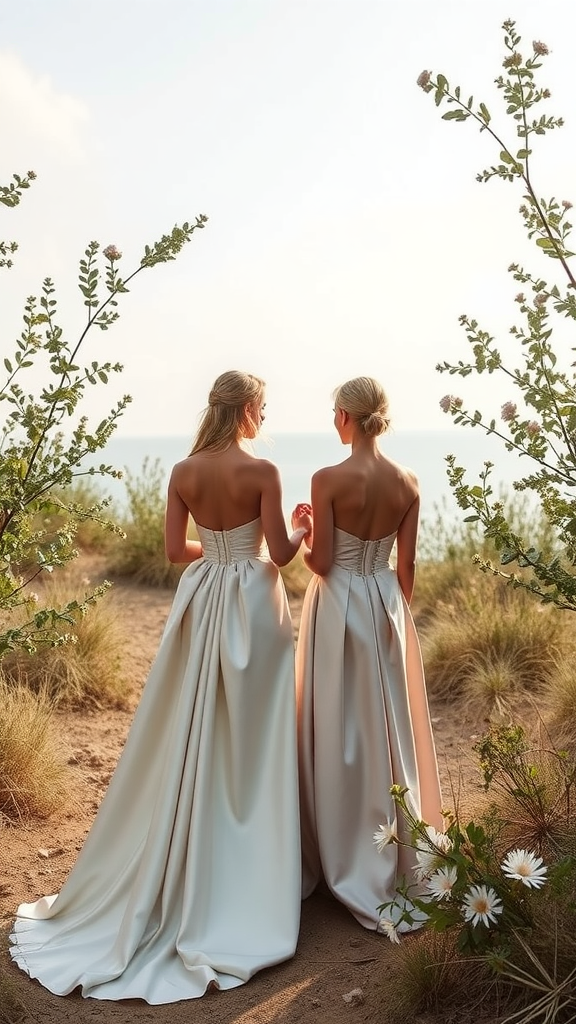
[346,232]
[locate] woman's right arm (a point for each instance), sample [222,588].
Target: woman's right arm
[176,544]
[321,554]
[282,547]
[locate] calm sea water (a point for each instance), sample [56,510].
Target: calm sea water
[299,455]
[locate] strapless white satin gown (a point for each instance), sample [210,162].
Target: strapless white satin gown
[191,871]
[363,726]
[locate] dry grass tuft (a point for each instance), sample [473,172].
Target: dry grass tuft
[432,977]
[88,671]
[34,776]
[492,646]
[559,707]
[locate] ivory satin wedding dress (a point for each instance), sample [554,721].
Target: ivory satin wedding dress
[190,874]
[363,726]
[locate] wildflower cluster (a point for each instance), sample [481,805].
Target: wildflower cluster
[459,882]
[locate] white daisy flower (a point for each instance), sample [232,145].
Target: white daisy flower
[388,927]
[526,867]
[481,905]
[430,859]
[441,882]
[385,834]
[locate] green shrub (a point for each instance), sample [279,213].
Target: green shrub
[140,555]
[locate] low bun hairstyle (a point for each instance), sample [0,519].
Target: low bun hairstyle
[365,400]
[224,420]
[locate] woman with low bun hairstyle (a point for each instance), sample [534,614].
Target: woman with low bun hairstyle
[363,720]
[189,879]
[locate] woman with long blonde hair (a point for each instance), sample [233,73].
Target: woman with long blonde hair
[189,879]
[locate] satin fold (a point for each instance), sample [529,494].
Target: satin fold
[363,726]
[190,874]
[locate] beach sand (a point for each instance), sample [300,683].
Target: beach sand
[335,955]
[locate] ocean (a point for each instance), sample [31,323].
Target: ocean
[299,455]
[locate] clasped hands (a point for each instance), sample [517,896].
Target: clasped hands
[302,519]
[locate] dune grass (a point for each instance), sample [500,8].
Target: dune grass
[491,646]
[431,977]
[89,669]
[559,706]
[34,776]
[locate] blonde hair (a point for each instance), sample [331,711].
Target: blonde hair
[365,400]
[226,418]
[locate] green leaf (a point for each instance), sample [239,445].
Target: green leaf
[485,113]
[455,115]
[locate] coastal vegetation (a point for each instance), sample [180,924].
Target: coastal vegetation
[498,885]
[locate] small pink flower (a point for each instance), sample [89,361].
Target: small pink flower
[423,79]
[520,297]
[450,402]
[513,61]
[111,253]
[533,428]
[508,411]
[540,299]
[566,204]
[540,48]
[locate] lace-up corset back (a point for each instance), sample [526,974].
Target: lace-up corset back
[237,545]
[362,557]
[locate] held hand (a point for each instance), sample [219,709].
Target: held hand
[302,516]
[303,522]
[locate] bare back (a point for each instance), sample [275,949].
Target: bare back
[371,497]
[370,494]
[221,490]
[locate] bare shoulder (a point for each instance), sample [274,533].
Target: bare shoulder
[411,479]
[182,468]
[408,476]
[327,473]
[269,470]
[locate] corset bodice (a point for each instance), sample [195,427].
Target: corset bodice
[362,557]
[237,545]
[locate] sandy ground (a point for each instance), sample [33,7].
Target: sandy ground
[335,954]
